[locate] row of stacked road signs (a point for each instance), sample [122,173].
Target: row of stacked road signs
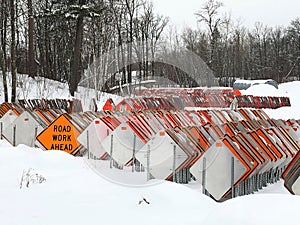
[230,152]
[68,105]
[60,105]
[179,98]
[259,147]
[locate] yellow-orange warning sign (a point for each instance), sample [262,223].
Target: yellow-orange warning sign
[60,135]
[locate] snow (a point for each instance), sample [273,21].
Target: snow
[28,88]
[290,89]
[251,81]
[257,209]
[74,193]
[263,90]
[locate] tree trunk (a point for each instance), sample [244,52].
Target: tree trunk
[31,62]
[13,51]
[76,64]
[3,46]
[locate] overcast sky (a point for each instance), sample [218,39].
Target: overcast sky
[269,12]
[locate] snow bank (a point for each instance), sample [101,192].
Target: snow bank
[290,89]
[275,209]
[74,194]
[264,90]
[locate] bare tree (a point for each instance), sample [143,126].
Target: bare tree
[294,57]
[76,64]
[209,16]
[13,51]
[131,8]
[31,62]
[3,55]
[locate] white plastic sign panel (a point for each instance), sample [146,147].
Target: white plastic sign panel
[102,130]
[95,133]
[8,118]
[294,133]
[122,139]
[26,128]
[161,155]
[218,169]
[296,186]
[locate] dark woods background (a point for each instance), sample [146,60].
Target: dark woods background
[59,39]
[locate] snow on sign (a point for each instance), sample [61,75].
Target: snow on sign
[60,135]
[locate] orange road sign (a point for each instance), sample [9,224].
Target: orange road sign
[60,135]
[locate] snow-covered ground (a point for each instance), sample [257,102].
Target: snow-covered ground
[74,194]
[28,88]
[290,89]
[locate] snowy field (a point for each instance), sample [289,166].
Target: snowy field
[72,193]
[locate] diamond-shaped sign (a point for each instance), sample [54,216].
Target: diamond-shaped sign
[161,155]
[97,132]
[60,135]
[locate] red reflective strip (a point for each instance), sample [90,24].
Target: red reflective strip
[218,144]
[162,133]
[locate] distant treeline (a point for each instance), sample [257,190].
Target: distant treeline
[232,50]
